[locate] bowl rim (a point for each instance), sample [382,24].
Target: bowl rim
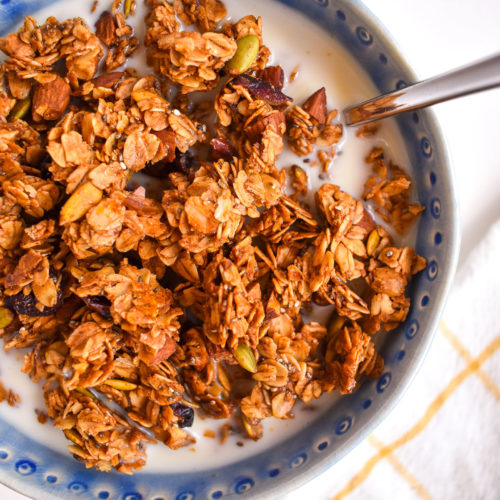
[312,470]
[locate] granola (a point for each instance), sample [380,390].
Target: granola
[154,255]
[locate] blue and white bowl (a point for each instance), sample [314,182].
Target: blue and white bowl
[40,472]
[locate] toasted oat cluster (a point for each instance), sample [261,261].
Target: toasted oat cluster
[151,252]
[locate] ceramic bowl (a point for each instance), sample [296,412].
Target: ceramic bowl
[40,472]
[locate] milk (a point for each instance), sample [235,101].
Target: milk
[321,62]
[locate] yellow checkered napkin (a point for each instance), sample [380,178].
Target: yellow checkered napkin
[442,441]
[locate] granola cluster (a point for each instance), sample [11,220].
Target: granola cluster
[152,254]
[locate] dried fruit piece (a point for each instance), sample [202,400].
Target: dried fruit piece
[78,204]
[316,105]
[222,149]
[6,317]
[20,109]
[28,305]
[50,99]
[100,304]
[245,357]
[120,385]
[185,413]
[261,89]
[245,55]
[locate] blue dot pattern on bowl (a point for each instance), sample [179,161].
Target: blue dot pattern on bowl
[282,466]
[25,467]
[322,446]
[243,485]
[297,461]
[77,487]
[185,495]
[383,382]
[343,425]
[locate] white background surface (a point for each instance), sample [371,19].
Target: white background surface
[435,36]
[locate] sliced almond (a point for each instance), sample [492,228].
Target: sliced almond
[78,204]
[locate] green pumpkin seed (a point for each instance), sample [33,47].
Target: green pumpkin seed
[245,358]
[85,392]
[21,108]
[6,317]
[127,6]
[245,55]
[121,385]
[73,436]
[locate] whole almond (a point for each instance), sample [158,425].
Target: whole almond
[255,129]
[105,28]
[316,106]
[273,75]
[50,99]
[107,79]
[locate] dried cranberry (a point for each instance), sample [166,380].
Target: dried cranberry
[186,413]
[99,304]
[26,304]
[43,166]
[222,149]
[262,90]
[183,162]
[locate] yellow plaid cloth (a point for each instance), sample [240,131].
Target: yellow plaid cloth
[442,441]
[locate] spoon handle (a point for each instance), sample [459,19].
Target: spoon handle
[475,77]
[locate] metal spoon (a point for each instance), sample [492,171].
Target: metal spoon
[475,77]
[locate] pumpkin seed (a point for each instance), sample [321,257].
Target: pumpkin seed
[121,385]
[245,55]
[245,358]
[6,317]
[73,436]
[85,392]
[21,108]
[127,6]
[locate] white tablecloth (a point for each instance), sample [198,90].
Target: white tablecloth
[442,440]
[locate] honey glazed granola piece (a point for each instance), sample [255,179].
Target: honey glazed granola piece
[389,189]
[188,58]
[311,124]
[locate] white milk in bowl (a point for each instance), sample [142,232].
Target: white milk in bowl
[321,61]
